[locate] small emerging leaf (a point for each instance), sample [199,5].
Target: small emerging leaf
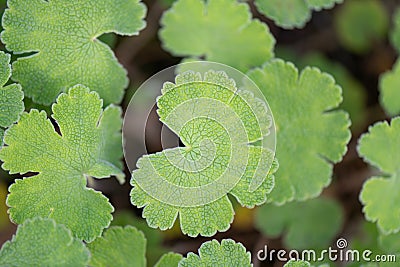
[212,253]
[119,246]
[43,243]
[63,35]
[64,162]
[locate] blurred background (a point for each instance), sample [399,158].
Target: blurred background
[353,46]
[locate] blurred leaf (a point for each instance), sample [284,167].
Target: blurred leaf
[154,249]
[310,224]
[212,253]
[122,247]
[360,23]
[389,86]
[194,28]
[294,263]
[290,14]
[169,260]
[380,195]
[311,136]
[42,242]
[395,32]
[354,96]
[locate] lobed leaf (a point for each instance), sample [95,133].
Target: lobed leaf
[11,96]
[389,90]
[62,35]
[379,147]
[197,28]
[42,242]
[311,133]
[64,162]
[119,247]
[212,253]
[290,14]
[360,23]
[305,225]
[224,131]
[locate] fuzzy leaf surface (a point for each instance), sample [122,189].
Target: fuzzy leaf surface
[223,130]
[63,37]
[380,195]
[63,162]
[42,242]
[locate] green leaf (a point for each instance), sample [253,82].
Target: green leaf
[197,28]
[64,162]
[119,247]
[42,242]
[290,14]
[395,32]
[310,224]
[154,236]
[11,96]
[224,131]
[354,97]
[294,263]
[212,253]
[169,260]
[361,23]
[389,90]
[311,134]
[380,195]
[63,36]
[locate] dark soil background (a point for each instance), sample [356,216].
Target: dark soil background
[143,56]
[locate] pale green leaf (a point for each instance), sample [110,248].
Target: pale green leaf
[169,260]
[380,195]
[311,134]
[63,162]
[290,14]
[354,96]
[223,130]
[119,246]
[361,23]
[212,253]
[294,263]
[11,96]
[305,225]
[63,35]
[389,85]
[220,30]
[42,242]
